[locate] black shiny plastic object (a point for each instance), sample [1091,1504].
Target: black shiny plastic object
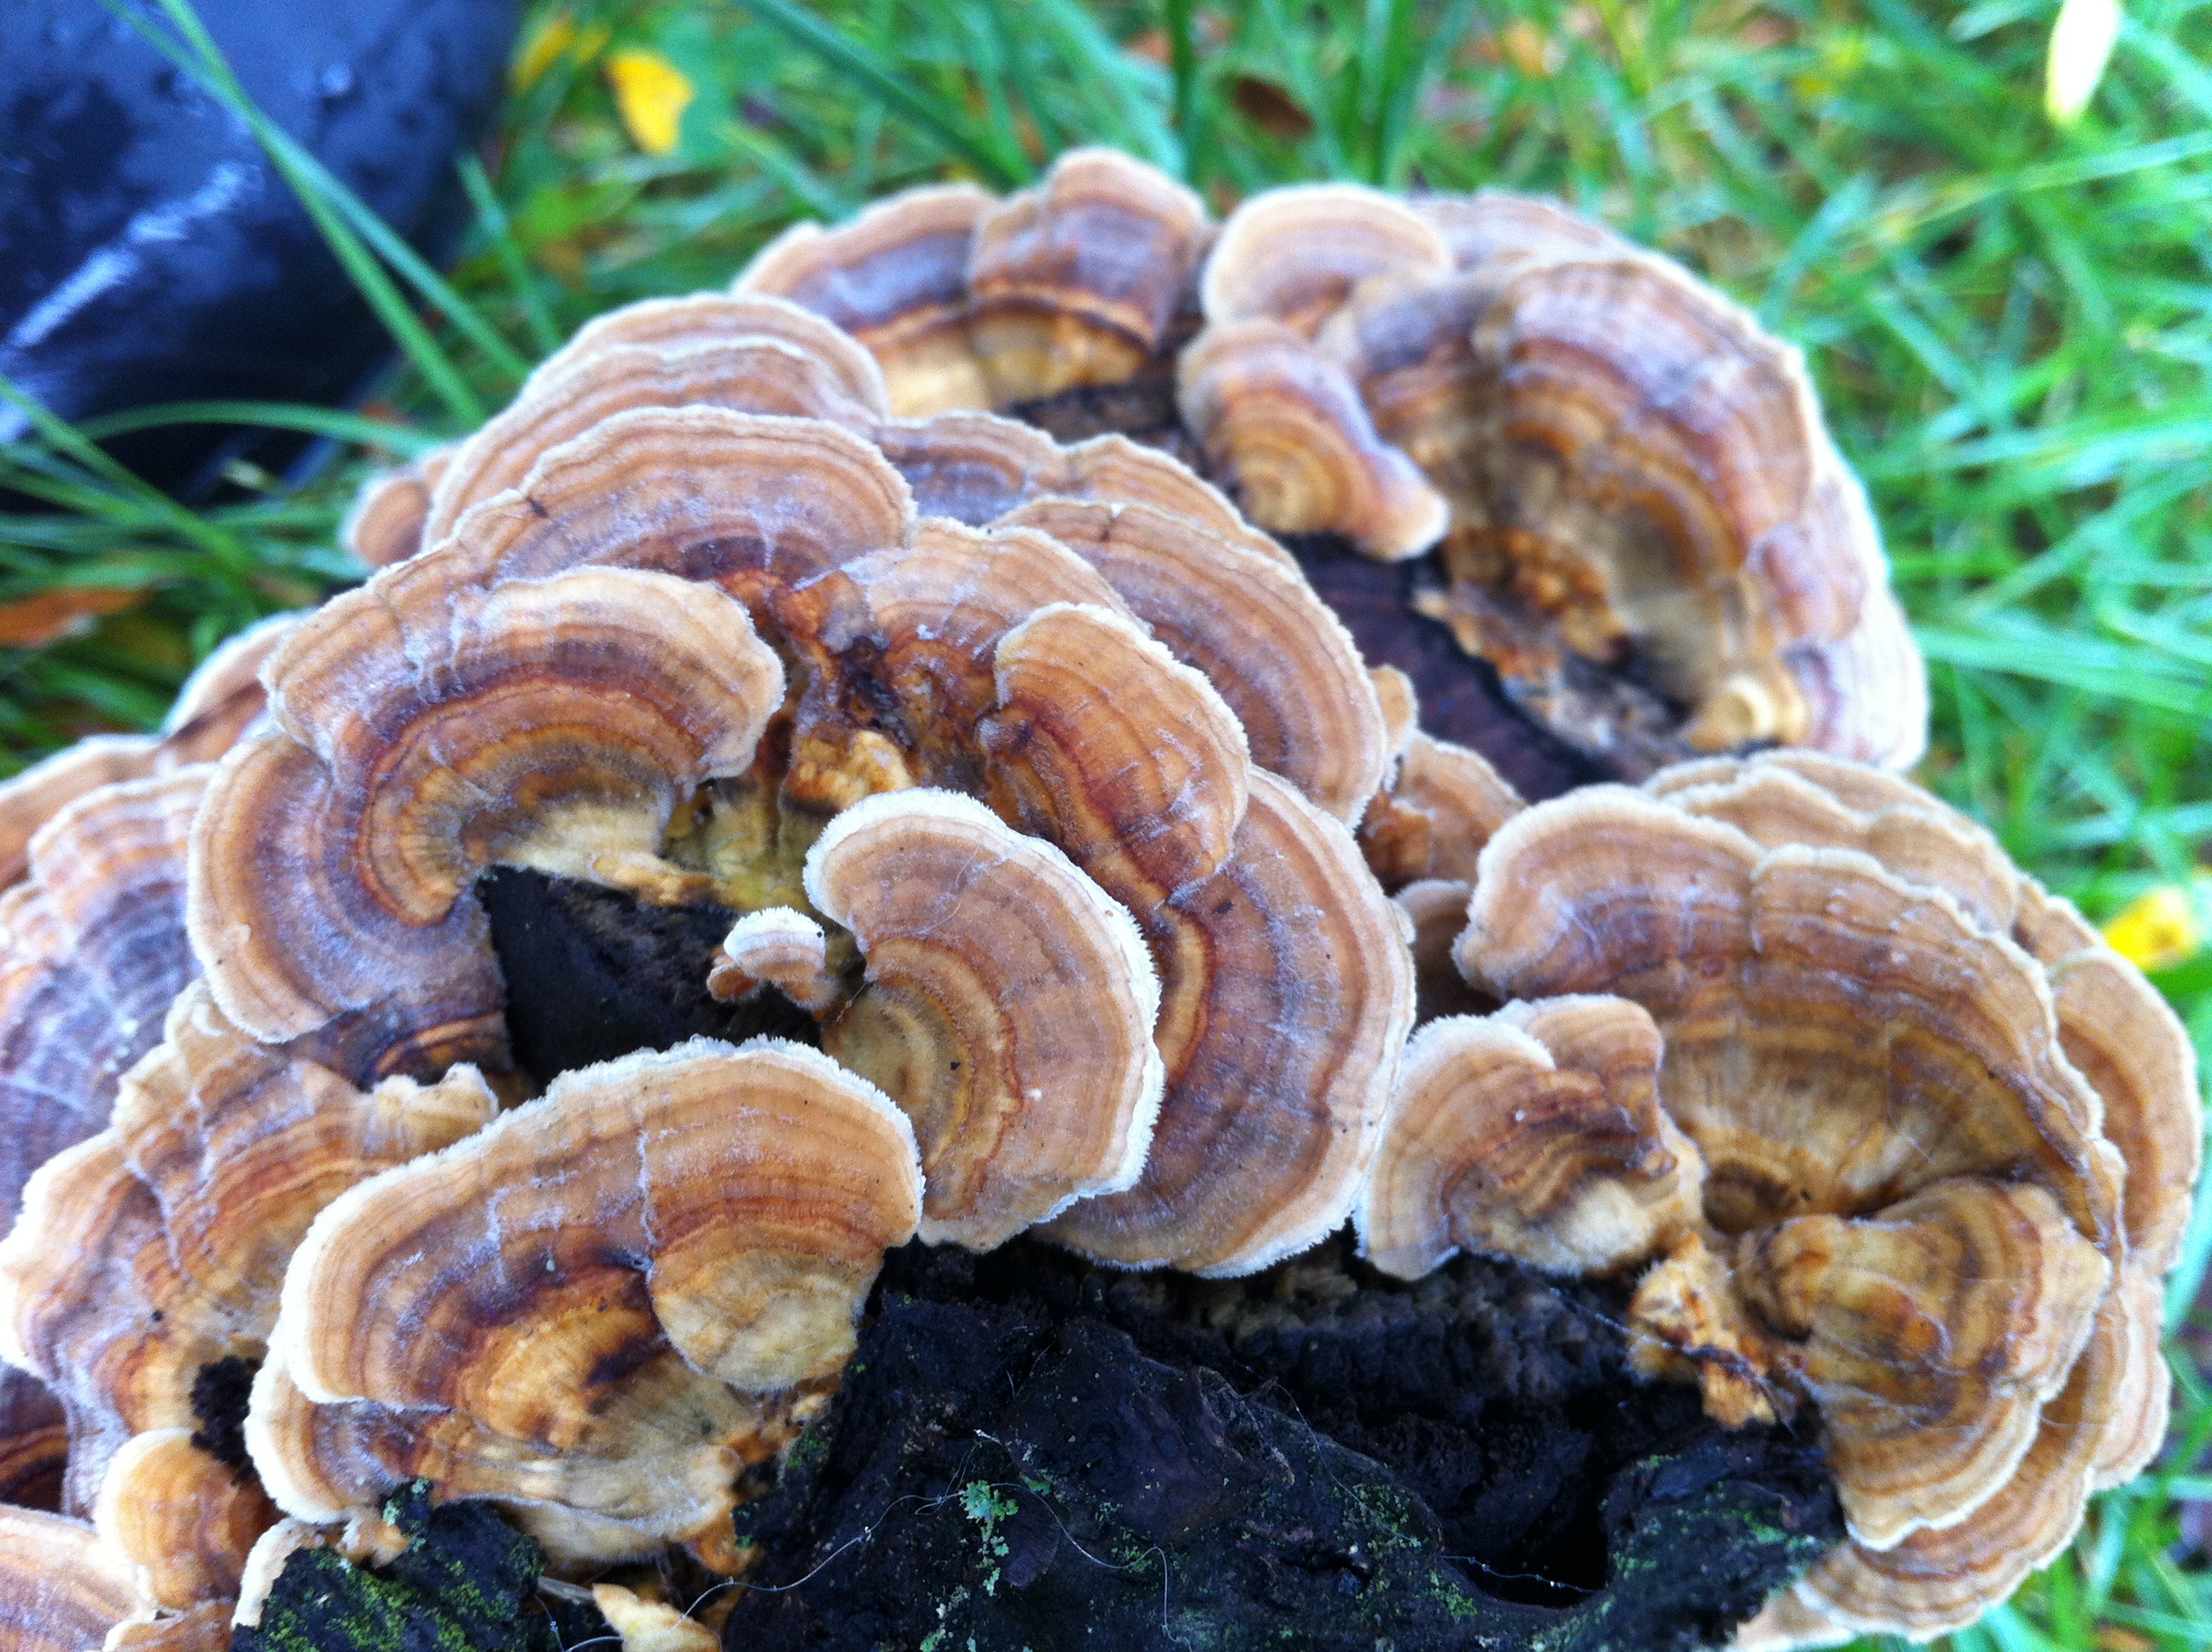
[149,250]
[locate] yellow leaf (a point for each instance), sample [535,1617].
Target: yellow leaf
[2158,929]
[554,36]
[2081,43]
[652,95]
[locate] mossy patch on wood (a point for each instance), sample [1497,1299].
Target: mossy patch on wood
[467,1582]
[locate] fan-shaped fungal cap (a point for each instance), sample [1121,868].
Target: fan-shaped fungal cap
[1632,465]
[2115,1028]
[223,697]
[1292,255]
[2121,1037]
[1764,970]
[977,468]
[1934,1580]
[204,1628]
[186,1521]
[1405,341]
[677,324]
[1008,1009]
[1075,281]
[1271,647]
[645,1625]
[61,1589]
[780,948]
[896,277]
[1438,810]
[332,861]
[34,797]
[1640,430]
[154,1250]
[218,702]
[1401,706]
[1286,989]
[1496,229]
[1104,746]
[753,502]
[92,950]
[384,524]
[972,467]
[1284,427]
[1287,993]
[1932,1334]
[940,606]
[1534,1133]
[595,1308]
[756,355]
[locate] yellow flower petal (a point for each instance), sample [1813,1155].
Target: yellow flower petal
[2081,43]
[652,93]
[2158,929]
[554,36]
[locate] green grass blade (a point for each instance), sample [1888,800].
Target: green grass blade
[272,415]
[1132,96]
[1005,169]
[65,438]
[491,217]
[1183,65]
[361,266]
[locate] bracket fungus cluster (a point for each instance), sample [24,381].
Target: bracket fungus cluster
[1639,517]
[1060,866]
[1885,1126]
[92,953]
[1074,874]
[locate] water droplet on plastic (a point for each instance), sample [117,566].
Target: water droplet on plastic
[335,82]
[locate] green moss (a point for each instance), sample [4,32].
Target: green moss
[466,1582]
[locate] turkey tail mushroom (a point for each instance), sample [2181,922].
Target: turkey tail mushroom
[895,278]
[61,1589]
[1285,428]
[1631,466]
[149,1255]
[1078,280]
[595,1309]
[333,858]
[218,703]
[1009,1009]
[1534,1133]
[1941,1183]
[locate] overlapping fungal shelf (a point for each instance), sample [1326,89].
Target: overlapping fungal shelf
[1613,467]
[1109,882]
[1795,1046]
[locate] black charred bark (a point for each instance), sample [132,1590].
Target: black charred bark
[1030,1453]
